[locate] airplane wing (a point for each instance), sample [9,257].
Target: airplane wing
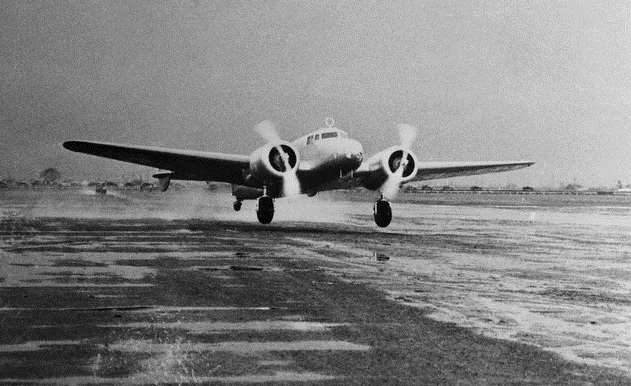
[184,164]
[436,170]
[426,171]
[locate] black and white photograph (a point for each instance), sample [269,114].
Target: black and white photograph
[420,192]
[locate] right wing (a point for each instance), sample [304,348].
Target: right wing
[184,164]
[426,171]
[437,170]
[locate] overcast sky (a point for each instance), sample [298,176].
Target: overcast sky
[482,80]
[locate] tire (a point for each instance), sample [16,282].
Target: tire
[383,213]
[265,210]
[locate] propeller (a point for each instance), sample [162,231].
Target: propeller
[267,130]
[291,185]
[407,135]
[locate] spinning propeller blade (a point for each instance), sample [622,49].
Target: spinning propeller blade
[407,135]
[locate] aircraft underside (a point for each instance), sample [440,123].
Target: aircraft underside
[382,210]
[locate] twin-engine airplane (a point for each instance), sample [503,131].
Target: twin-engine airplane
[326,159]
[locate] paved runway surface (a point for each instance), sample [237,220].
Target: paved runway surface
[129,290]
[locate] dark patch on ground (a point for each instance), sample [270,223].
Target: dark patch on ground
[78,263]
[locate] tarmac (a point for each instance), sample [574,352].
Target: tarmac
[92,292]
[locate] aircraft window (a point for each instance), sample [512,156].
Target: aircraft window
[310,140]
[317,137]
[332,134]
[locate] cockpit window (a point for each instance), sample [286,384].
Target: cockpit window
[332,134]
[310,140]
[317,137]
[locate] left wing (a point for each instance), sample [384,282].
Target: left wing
[184,164]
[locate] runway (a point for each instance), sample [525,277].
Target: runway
[150,288]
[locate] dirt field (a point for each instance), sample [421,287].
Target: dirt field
[150,288]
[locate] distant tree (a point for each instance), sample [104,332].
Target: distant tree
[573,186]
[110,184]
[50,175]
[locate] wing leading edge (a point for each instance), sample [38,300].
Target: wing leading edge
[184,164]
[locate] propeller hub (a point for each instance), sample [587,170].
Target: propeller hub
[401,162]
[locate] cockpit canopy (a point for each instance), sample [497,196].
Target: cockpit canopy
[326,135]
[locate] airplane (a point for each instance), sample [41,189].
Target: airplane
[325,159]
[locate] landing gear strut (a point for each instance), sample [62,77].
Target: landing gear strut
[382,212]
[265,209]
[237,205]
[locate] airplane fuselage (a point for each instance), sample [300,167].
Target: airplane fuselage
[329,154]
[330,148]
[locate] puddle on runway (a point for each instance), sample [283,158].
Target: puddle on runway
[280,376]
[103,296]
[239,347]
[145,309]
[37,345]
[204,309]
[164,378]
[241,268]
[39,270]
[176,362]
[218,327]
[74,285]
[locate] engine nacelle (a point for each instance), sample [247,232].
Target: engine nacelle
[267,164]
[385,164]
[246,193]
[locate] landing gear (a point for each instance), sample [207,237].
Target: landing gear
[265,209]
[382,213]
[237,205]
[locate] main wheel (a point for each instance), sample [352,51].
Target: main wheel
[265,209]
[237,205]
[382,213]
